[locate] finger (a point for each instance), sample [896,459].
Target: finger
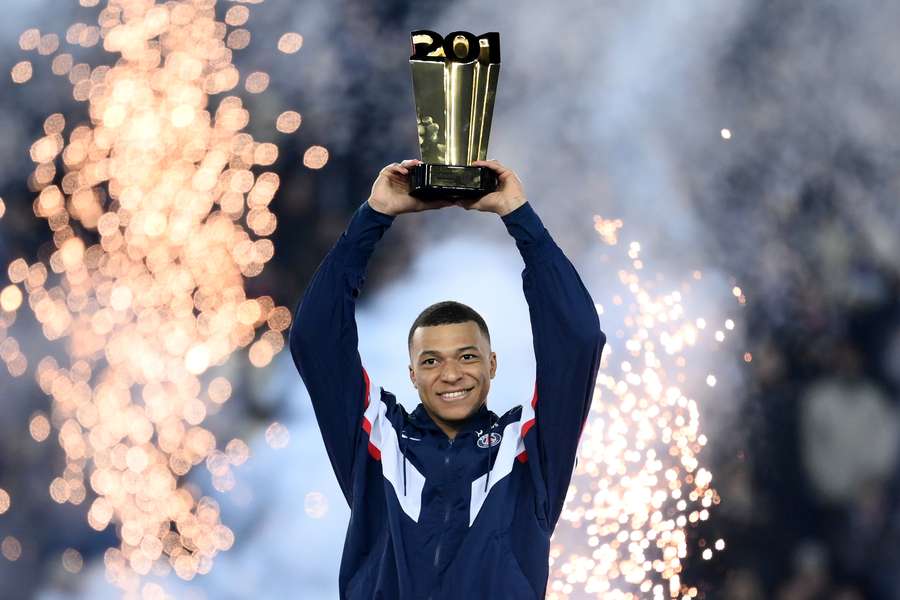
[396,168]
[411,162]
[493,165]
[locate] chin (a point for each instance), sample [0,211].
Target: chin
[457,413]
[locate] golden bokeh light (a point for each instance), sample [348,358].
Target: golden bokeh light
[257,82]
[61,64]
[74,31]
[289,43]
[315,505]
[21,71]
[39,427]
[29,39]
[277,435]
[315,157]
[2,208]
[238,39]
[48,44]
[4,501]
[608,228]
[157,219]
[288,121]
[237,15]
[10,298]
[72,560]
[237,451]
[11,548]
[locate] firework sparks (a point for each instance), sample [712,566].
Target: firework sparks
[156,219]
[21,72]
[288,121]
[11,548]
[639,484]
[316,505]
[277,435]
[315,157]
[290,43]
[72,560]
[608,229]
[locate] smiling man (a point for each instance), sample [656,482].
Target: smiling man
[451,363]
[450,500]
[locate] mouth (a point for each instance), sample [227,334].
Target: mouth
[454,395]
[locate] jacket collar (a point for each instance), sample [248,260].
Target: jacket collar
[479,419]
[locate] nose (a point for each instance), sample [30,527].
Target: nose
[451,372]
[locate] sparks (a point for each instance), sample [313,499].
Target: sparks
[639,484]
[157,219]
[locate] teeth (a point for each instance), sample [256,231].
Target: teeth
[454,395]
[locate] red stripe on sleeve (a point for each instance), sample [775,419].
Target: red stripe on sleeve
[366,379]
[375,452]
[528,425]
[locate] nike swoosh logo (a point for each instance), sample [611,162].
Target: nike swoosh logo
[403,435]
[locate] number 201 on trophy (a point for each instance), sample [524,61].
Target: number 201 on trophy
[459,46]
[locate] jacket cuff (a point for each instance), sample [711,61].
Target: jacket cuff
[366,211]
[362,234]
[525,225]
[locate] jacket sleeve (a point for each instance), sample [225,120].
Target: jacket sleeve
[323,341]
[567,347]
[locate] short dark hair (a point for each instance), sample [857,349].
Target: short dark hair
[446,313]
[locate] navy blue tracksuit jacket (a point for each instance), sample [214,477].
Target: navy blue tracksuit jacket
[435,518]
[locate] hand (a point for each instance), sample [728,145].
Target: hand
[390,192]
[509,195]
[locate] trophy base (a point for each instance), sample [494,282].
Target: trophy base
[432,181]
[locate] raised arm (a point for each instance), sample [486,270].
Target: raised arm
[567,337]
[567,347]
[323,337]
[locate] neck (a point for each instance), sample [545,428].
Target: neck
[451,428]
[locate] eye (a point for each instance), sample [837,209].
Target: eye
[468,356]
[429,361]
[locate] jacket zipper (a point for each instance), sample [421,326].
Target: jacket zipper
[437,550]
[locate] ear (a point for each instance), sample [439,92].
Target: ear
[412,376]
[493,364]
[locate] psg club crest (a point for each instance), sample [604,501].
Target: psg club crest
[489,440]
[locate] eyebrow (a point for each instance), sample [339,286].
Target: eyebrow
[458,350]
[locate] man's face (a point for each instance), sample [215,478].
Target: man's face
[451,366]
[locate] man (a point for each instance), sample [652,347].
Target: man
[450,501]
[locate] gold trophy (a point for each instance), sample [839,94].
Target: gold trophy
[454,84]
